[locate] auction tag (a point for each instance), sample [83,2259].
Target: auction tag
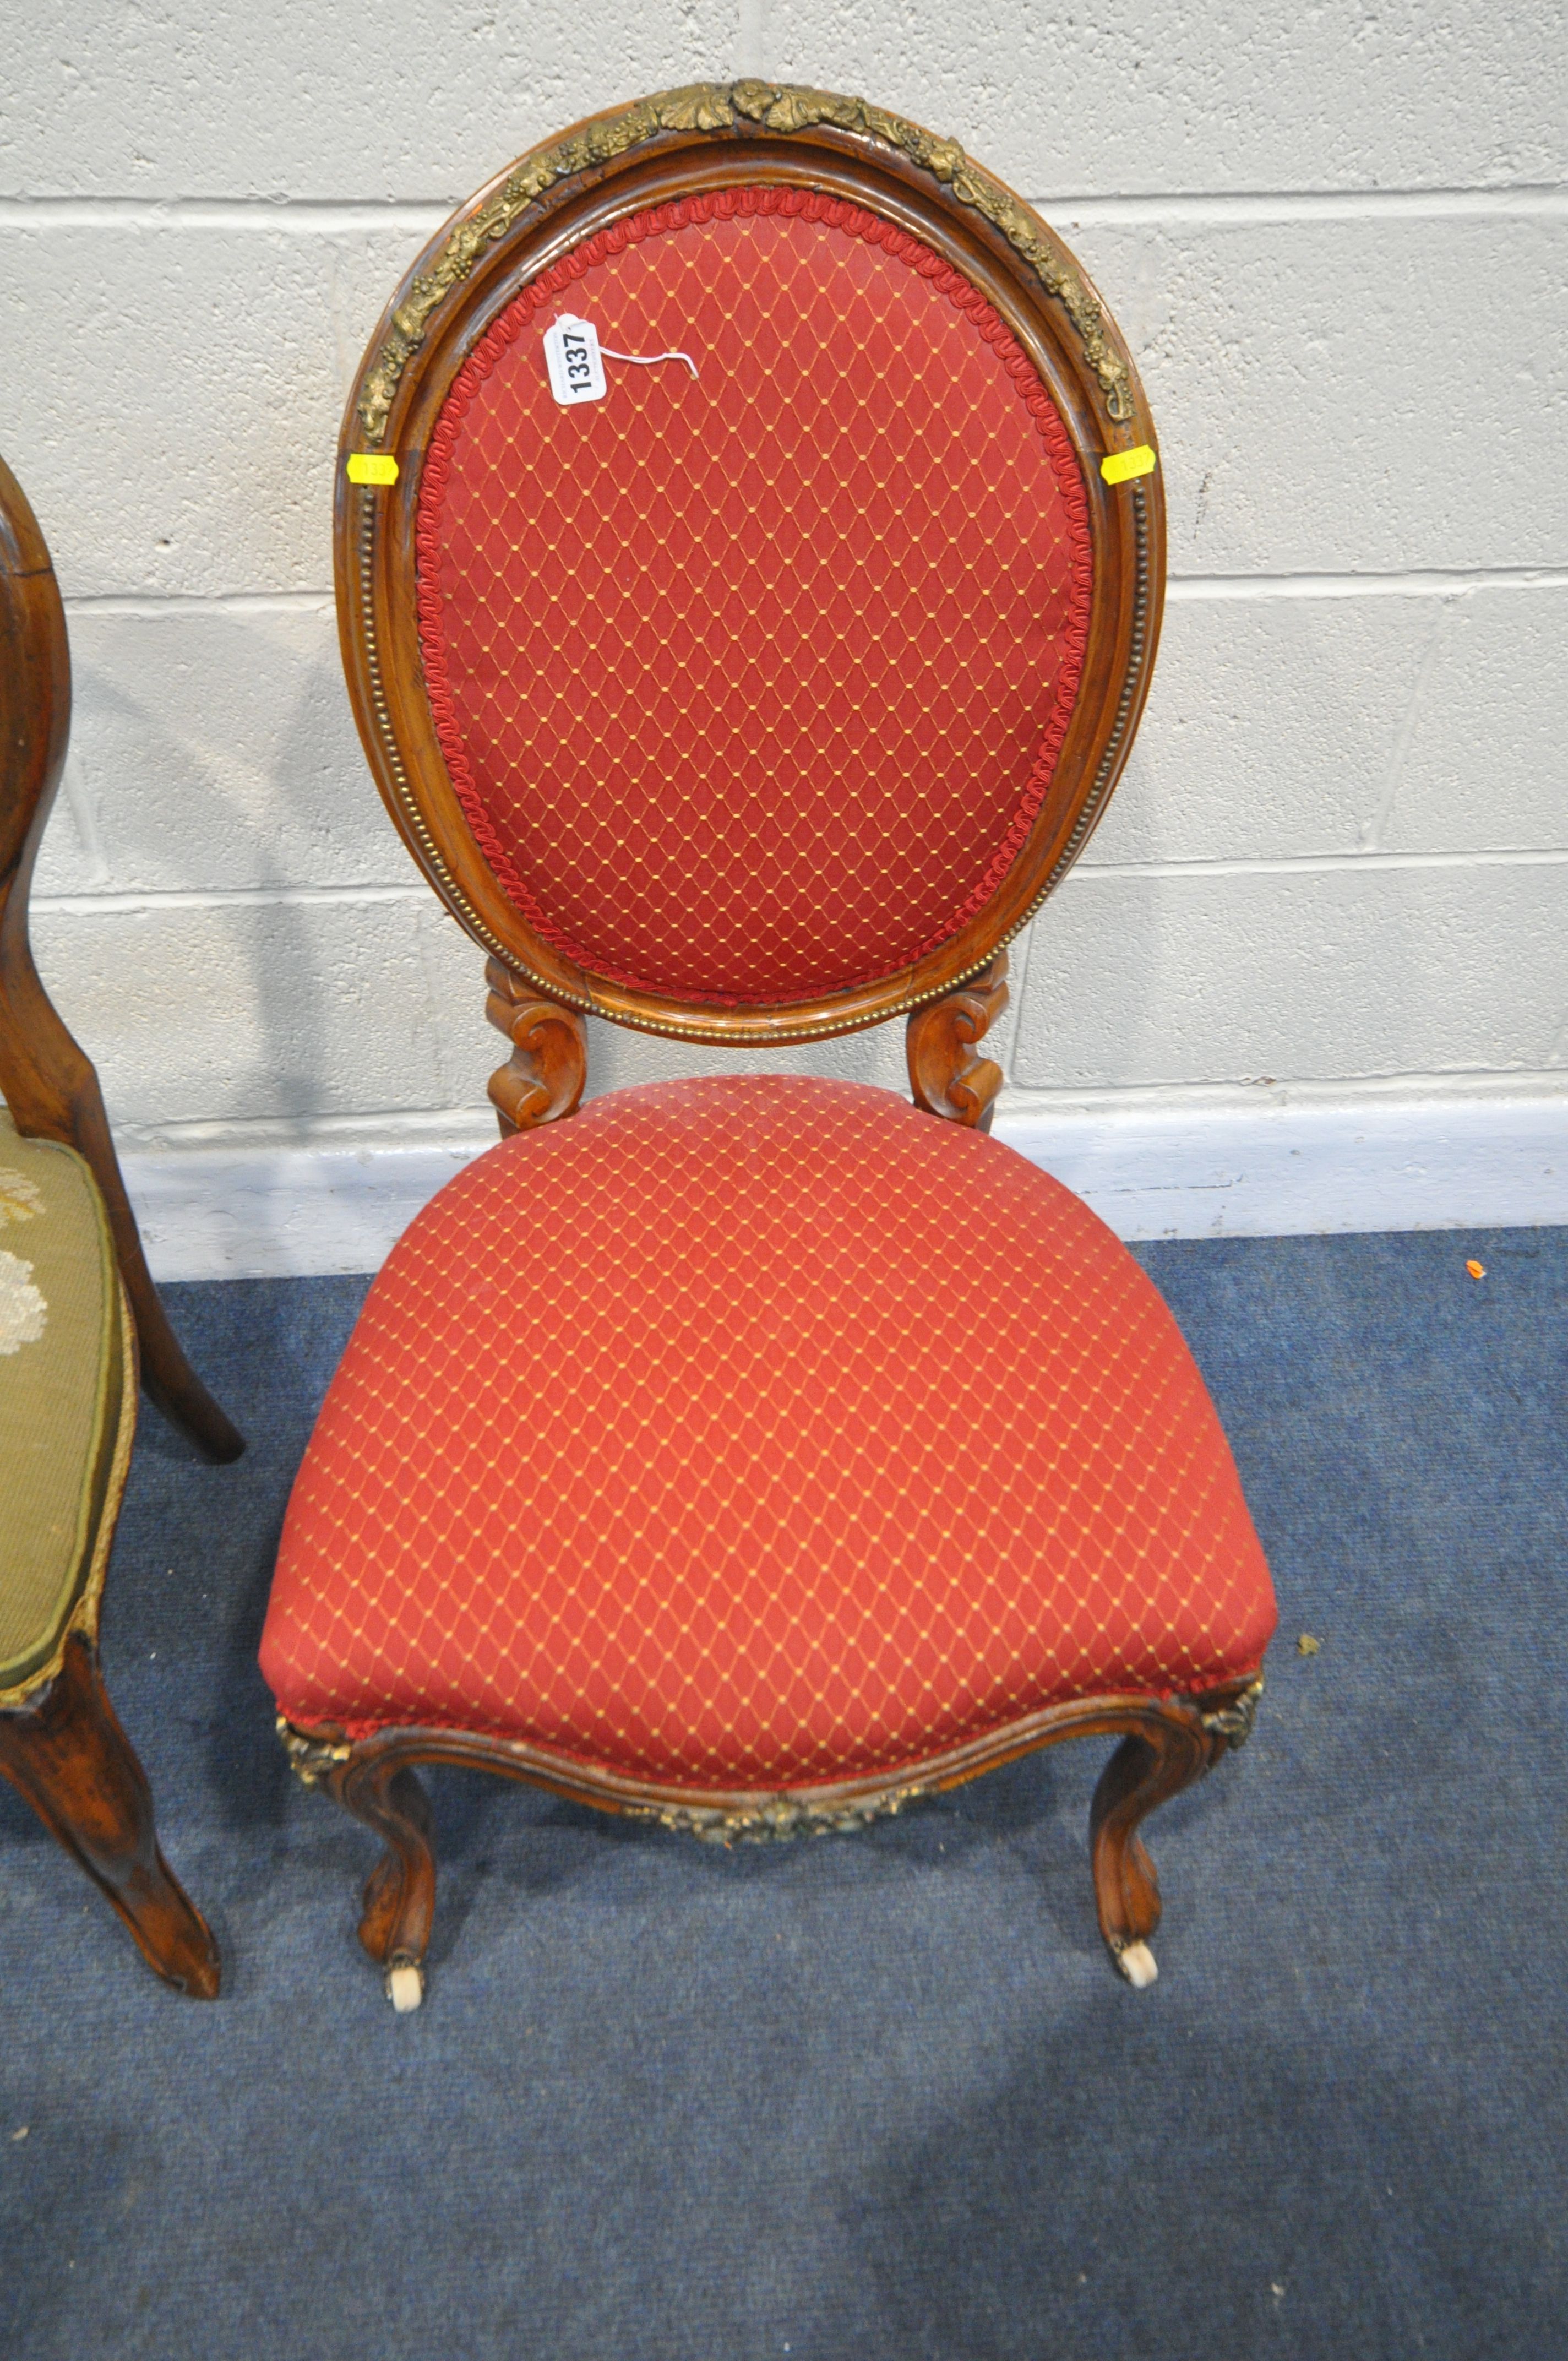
[572,357]
[1124,467]
[372,468]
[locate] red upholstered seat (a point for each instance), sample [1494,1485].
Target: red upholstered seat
[666,1440]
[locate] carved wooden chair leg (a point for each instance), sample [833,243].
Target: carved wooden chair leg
[399,1894]
[65,1751]
[1126,1890]
[1177,1743]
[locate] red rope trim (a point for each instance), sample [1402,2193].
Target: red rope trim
[724,205]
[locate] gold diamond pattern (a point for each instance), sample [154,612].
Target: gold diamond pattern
[759,1432]
[752,684]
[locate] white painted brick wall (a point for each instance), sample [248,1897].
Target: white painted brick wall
[1331,892]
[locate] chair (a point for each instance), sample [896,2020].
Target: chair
[750,547]
[76,1302]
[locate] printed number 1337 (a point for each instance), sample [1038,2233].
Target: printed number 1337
[572,358]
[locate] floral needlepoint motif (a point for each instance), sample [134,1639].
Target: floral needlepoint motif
[23,1312]
[20,1198]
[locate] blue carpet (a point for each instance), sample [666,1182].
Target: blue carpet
[878,2095]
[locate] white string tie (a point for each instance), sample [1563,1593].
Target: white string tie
[648,360]
[574,360]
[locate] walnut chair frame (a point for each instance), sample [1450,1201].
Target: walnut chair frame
[61,1745]
[676,146]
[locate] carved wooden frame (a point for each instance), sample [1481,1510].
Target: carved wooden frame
[680,144]
[1167,1743]
[46,1078]
[61,1745]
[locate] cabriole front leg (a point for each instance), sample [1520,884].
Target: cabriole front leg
[1177,1743]
[65,1751]
[399,1894]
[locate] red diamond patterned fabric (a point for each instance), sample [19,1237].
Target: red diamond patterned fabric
[757,1432]
[752,687]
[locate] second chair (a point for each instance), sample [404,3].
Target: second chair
[749,563]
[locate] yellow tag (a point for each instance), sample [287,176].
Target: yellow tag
[371,467]
[1120,466]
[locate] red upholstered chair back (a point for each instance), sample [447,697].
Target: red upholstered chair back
[767,693]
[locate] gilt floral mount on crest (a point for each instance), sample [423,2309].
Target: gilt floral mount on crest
[724,106]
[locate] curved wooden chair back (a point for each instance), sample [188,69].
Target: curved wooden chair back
[757,680]
[47,1082]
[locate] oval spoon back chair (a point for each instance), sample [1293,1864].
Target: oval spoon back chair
[750,558]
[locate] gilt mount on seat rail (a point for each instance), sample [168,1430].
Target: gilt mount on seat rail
[1025,297]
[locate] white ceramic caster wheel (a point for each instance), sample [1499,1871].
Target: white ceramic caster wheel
[405,1986]
[1139,1966]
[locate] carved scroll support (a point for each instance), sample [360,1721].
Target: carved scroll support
[543,1079]
[946,1078]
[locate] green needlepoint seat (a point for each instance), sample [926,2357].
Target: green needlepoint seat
[64,1394]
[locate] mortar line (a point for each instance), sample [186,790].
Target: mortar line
[1547,201]
[199,603]
[220,897]
[305,215]
[436,1128]
[1557,1056]
[292,216]
[83,906]
[1375,827]
[1416,582]
[1227,1094]
[77,793]
[1520,857]
[1181,589]
[432,1126]
[1019,992]
[752,41]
